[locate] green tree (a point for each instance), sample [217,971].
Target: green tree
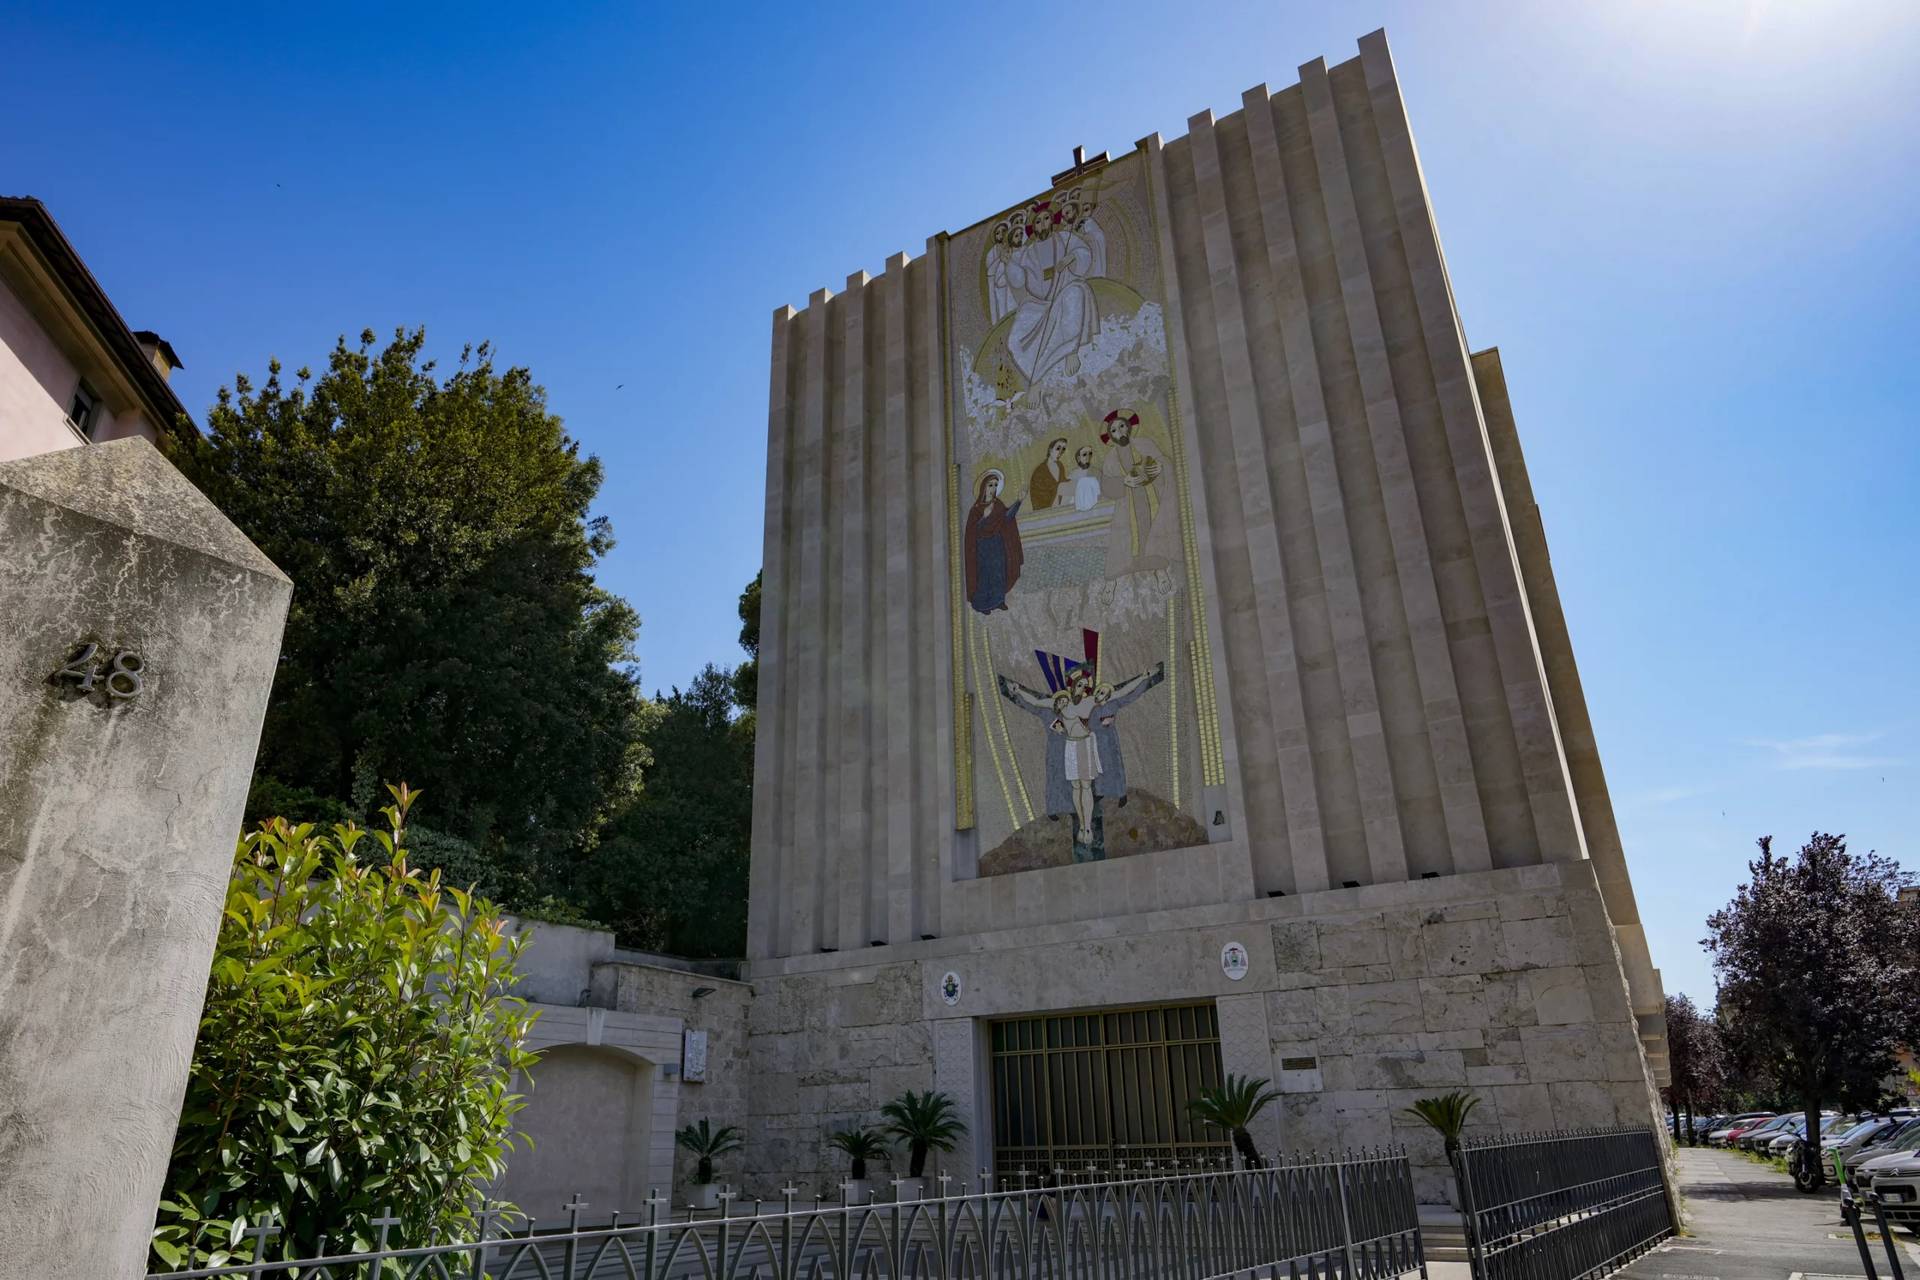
[670,872]
[1819,970]
[1696,1063]
[354,1055]
[439,536]
[746,676]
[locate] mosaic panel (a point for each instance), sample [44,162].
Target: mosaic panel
[1087,729]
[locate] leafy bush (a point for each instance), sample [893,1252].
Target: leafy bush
[354,1054]
[705,1143]
[925,1122]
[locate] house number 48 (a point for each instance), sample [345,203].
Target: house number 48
[119,677]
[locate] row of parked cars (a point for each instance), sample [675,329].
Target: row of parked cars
[1877,1154]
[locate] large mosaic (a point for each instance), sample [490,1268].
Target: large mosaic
[1087,729]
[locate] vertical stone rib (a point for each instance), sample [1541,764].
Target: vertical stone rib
[1209,642]
[769,851]
[1366,732]
[806,844]
[1522,674]
[1445,725]
[934,866]
[847,884]
[1293,755]
[905,667]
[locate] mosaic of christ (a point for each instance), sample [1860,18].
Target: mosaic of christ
[1076,601]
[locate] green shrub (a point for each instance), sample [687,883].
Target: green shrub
[354,1056]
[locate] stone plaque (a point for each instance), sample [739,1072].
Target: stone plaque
[693,1057]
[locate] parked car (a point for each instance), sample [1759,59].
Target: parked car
[1724,1136]
[1868,1131]
[1855,1181]
[1896,1185]
[1793,1131]
[1766,1129]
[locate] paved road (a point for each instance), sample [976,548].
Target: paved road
[1748,1223]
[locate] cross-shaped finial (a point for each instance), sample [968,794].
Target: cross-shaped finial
[943,1180]
[573,1208]
[262,1231]
[385,1222]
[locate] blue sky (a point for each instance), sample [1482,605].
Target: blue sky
[1689,225]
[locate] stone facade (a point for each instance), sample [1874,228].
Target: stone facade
[1506,982]
[1370,727]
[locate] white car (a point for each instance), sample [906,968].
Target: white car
[1896,1185]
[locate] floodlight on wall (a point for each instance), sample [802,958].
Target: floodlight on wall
[700,992]
[1349,884]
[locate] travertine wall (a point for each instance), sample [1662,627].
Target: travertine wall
[1399,707]
[1505,982]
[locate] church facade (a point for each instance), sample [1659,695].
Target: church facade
[1162,676]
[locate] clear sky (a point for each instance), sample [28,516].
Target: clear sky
[1692,227]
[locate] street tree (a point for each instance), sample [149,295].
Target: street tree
[1696,1062]
[1818,964]
[446,626]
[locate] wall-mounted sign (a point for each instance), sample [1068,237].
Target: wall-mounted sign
[693,1056]
[950,987]
[1233,961]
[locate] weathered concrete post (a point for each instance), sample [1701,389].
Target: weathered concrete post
[139,631]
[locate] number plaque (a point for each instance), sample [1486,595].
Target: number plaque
[120,678]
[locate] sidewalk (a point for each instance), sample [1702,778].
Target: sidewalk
[1749,1223]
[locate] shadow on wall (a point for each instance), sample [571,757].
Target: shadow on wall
[590,1116]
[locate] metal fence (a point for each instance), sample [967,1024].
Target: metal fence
[1345,1219]
[1563,1206]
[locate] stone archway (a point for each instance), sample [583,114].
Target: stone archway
[590,1113]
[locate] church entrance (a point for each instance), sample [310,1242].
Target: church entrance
[1106,1088]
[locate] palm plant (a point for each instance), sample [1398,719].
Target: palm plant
[706,1143]
[860,1144]
[1447,1115]
[1232,1106]
[925,1122]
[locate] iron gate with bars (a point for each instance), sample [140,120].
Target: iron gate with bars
[1106,1089]
[1563,1206]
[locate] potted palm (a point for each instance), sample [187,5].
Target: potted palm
[1232,1106]
[925,1122]
[859,1144]
[706,1142]
[1447,1115]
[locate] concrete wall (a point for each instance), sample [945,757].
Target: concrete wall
[119,805]
[1506,982]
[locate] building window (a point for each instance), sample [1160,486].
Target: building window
[1108,1089]
[86,407]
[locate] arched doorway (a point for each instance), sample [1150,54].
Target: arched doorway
[590,1114]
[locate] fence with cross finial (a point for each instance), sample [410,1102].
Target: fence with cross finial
[1353,1217]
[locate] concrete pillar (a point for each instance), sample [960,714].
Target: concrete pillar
[139,631]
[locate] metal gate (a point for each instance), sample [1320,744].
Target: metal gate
[1106,1090]
[1563,1206]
